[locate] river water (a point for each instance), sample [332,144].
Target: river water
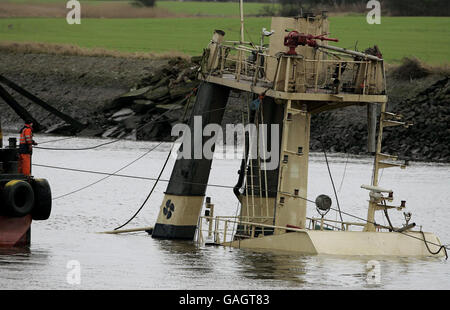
[136,261]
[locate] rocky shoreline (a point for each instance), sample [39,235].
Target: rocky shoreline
[141,99]
[427,108]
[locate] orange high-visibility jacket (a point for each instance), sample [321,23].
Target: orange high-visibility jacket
[26,139]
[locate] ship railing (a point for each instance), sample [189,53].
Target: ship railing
[224,229]
[329,76]
[221,229]
[239,62]
[326,73]
[329,224]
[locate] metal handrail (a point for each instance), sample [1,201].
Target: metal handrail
[229,220]
[221,234]
[318,77]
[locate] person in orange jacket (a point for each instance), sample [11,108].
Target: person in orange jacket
[26,148]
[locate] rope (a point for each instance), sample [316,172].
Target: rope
[332,182]
[250,142]
[77,149]
[149,194]
[246,160]
[258,147]
[56,140]
[343,174]
[129,176]
[264,156]
[386,214]
[108,176]
[442,247]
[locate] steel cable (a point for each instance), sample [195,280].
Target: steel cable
[149,194]
[332,182]
[109,175]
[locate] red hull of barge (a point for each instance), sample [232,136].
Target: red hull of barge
[15,231]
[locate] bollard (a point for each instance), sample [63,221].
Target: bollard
[12,143]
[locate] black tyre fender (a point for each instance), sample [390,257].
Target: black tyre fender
[18,198]
[42,200]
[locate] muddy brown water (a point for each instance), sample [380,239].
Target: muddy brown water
[136,261]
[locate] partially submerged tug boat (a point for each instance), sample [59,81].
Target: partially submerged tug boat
[293,78]
[22,199]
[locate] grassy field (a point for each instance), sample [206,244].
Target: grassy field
[427,38]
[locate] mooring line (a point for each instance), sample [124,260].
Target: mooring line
[110,175]
[150,193]
[56,140]
[332,182]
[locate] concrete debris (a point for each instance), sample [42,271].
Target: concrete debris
[122,115]
[162,91]
[110,132]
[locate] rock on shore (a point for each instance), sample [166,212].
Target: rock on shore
[150,109]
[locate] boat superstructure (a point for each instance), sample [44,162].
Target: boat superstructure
[23,198]
[296,76]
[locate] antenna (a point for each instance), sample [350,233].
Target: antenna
[241,8]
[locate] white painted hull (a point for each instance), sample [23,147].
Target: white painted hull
[346,243]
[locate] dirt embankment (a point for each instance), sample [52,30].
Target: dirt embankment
[91,90]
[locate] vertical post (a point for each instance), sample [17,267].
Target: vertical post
[200,233]
[316,82]
[216,231]
[379,142]
[250,141]
[240,52]
[214,48]
[287,74]
[293,174]
[210,206]
[371,127]
[373,203]
[365,77]
[225,231]
[241,9]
